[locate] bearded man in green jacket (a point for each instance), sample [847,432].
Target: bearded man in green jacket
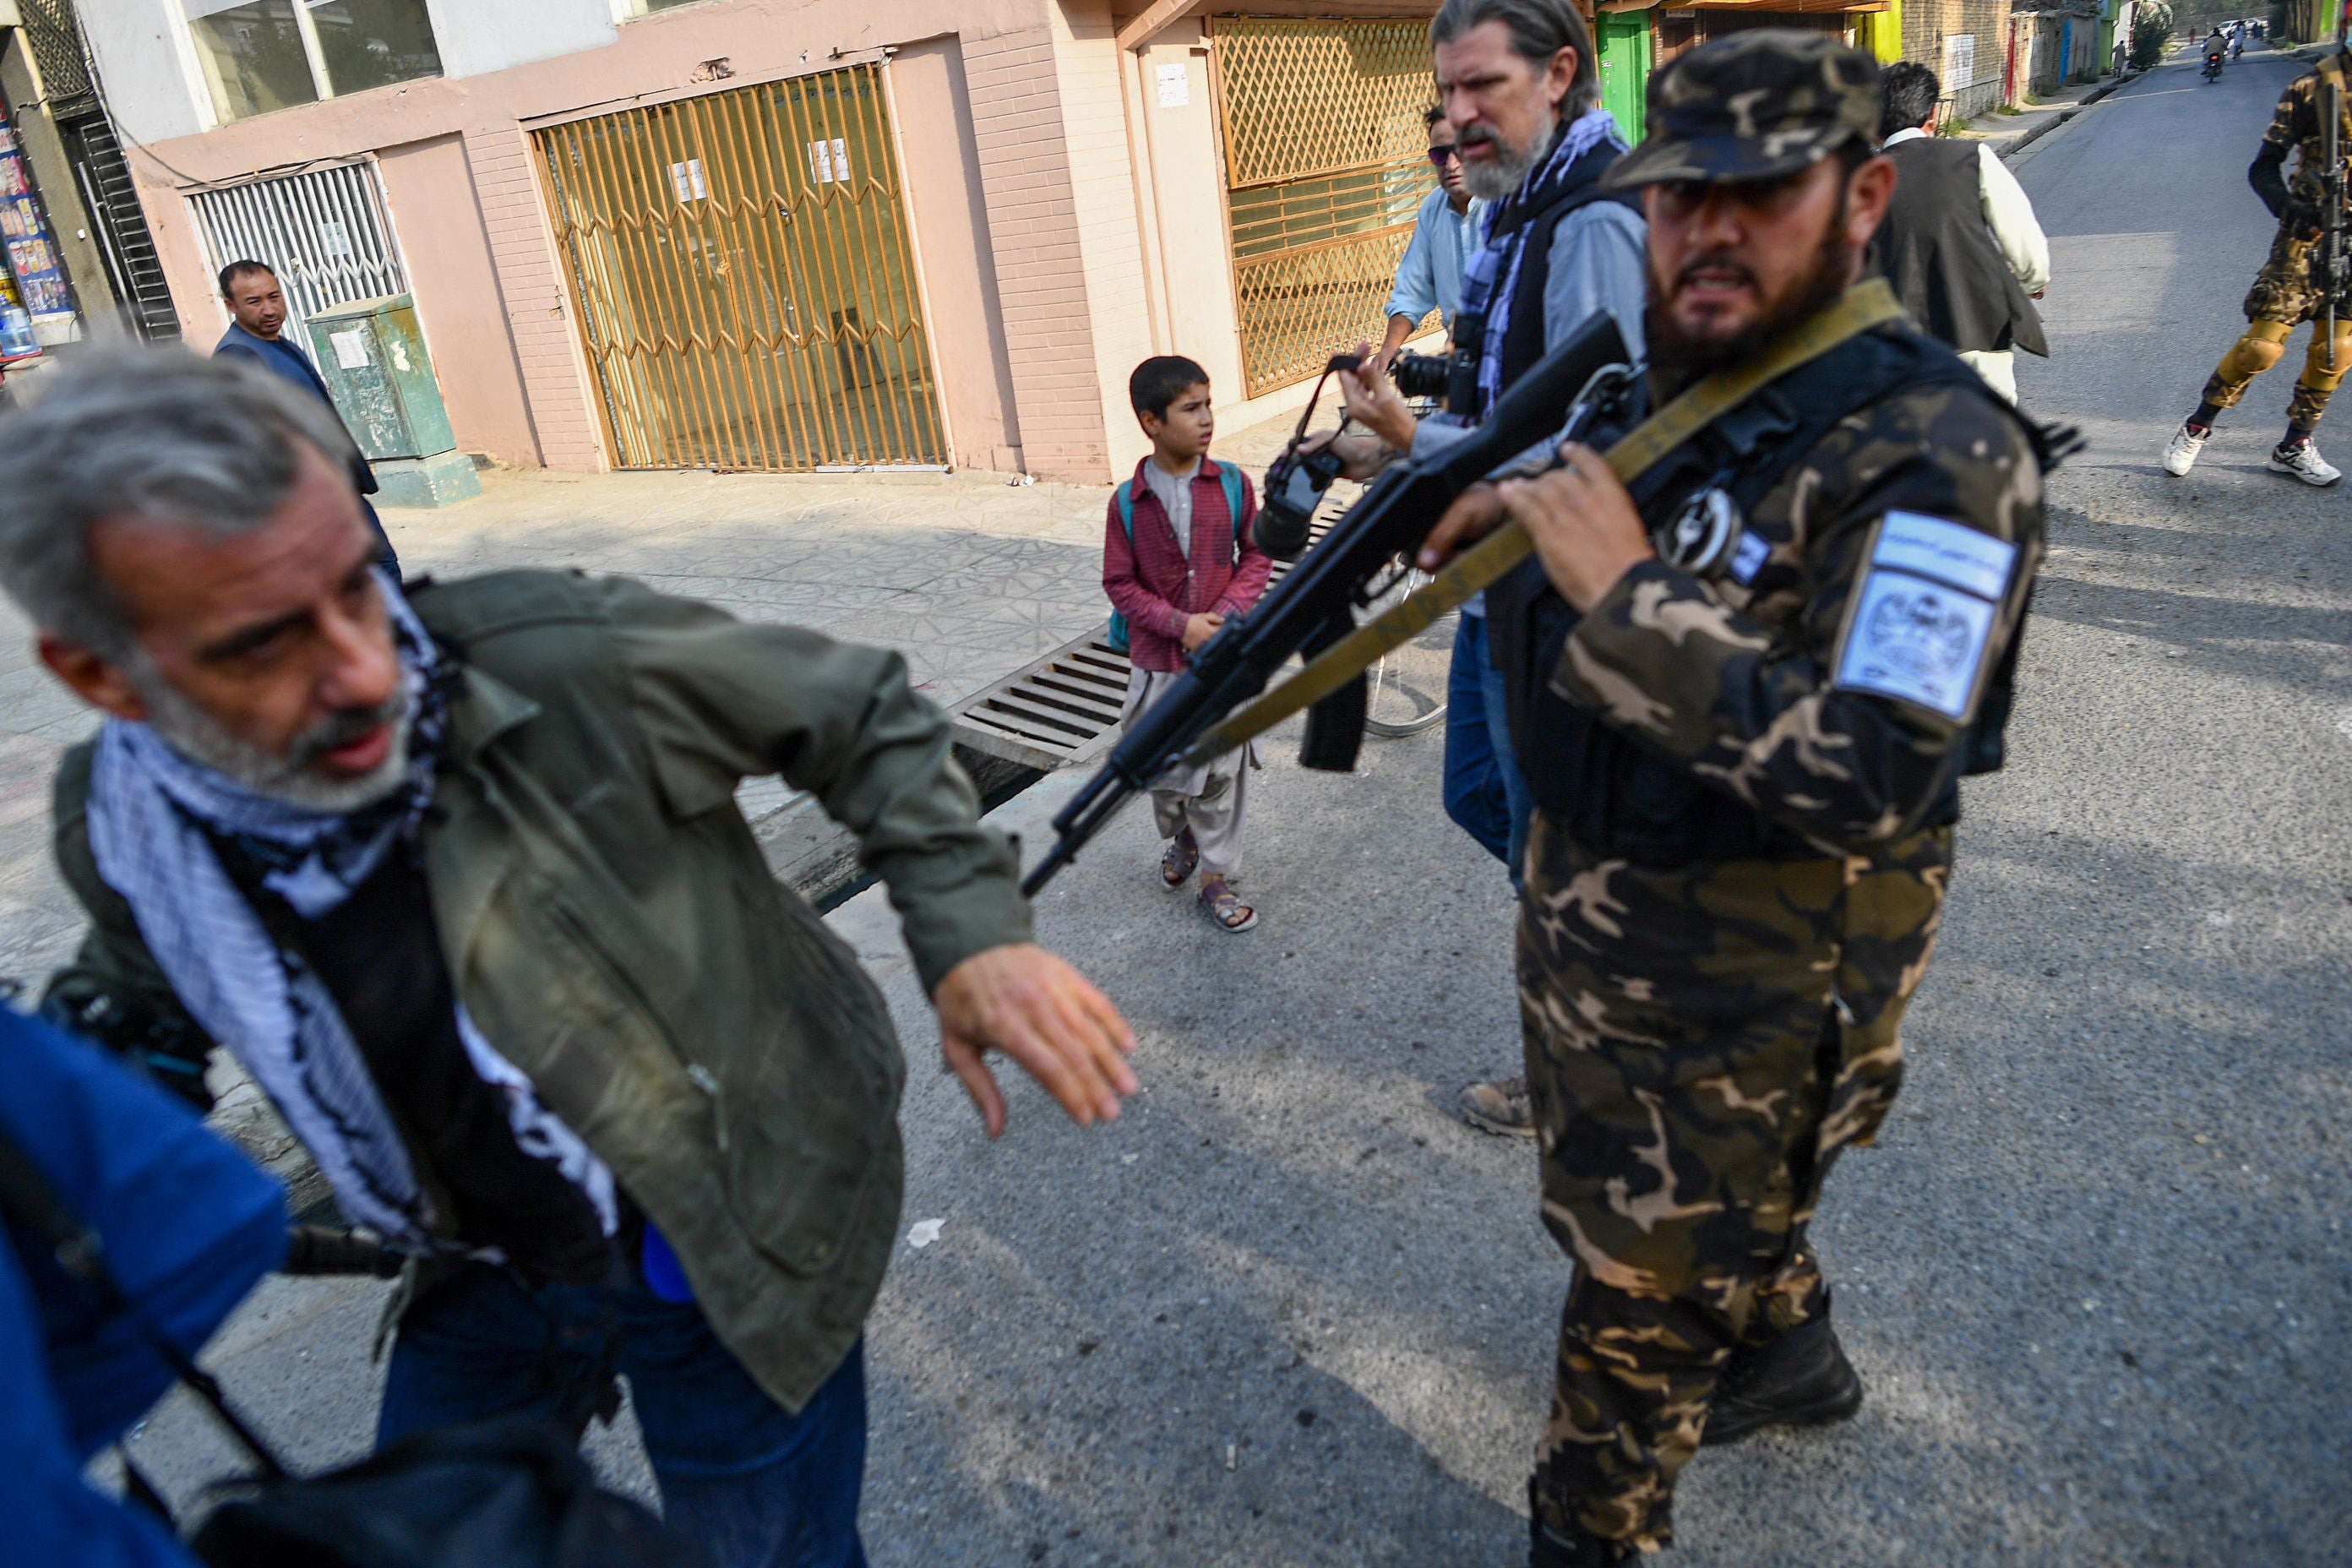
[459,879]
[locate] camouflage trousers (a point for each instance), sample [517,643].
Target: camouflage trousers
[2284,297]
[1701,1044]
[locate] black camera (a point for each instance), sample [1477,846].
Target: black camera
[1294,489]
[1421,375]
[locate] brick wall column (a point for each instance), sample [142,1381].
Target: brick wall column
[1033,230]
[557,385]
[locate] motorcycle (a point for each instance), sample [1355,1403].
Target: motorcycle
[2213,66]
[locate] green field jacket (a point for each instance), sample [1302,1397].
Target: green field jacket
[616,933]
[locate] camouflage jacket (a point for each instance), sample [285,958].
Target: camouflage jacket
[2295,129]
[1828,678]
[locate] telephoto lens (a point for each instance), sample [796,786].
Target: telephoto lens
[1421,375]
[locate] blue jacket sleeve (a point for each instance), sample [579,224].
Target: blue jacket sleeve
[189,1227]
[1598,262]
[53,1515]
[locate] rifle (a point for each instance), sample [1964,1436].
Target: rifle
[1311,611]
[1315,605]
[2331,195]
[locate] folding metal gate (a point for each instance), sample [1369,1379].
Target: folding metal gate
[1326,162]
[324,232]
[745,281]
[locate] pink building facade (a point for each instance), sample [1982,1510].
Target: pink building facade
[1061,200]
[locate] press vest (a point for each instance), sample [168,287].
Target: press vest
[1621,799]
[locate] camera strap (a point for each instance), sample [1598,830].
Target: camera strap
[1859,310]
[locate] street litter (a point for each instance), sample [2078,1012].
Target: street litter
[926,1231]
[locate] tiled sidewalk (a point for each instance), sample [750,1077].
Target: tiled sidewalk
[971,577]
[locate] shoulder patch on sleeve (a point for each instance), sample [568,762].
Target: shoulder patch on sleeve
[1920,626]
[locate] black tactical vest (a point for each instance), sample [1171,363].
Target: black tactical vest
[1622,799]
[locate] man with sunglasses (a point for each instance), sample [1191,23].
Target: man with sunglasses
[1446,236]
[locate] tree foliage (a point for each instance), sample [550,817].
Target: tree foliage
[2151,28]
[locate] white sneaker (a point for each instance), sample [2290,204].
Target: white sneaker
[2180,455]
[2303,460]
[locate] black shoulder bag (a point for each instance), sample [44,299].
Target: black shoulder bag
[507,1493]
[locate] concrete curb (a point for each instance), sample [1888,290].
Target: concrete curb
[2026,139]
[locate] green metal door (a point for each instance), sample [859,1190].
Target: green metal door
[1625,69]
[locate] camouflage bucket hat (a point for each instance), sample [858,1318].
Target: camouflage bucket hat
[1754,106]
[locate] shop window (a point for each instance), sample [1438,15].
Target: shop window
[374,43]
[262,55]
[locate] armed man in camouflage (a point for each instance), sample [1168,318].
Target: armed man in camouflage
[2290,289]
[1745,691]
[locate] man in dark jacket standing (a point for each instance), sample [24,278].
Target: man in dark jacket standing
[256,304]
[1961,243]
[461,881]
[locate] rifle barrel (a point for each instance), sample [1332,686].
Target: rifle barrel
[1317,600]
[2331,217]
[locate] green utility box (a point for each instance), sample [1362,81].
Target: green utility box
[372,356]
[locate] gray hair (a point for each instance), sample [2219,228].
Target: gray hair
[1540,30]
[141,434]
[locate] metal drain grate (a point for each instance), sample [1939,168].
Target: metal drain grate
[1064,708]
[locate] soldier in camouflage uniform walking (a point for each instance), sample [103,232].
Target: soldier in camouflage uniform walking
[1746,759]
[2288,290]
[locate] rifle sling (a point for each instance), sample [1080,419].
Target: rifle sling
[1862,308]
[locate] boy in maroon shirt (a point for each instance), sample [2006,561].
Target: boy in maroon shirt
[1178,559]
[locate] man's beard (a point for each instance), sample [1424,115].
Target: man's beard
[1492,179]
[293,780]
[1686,356]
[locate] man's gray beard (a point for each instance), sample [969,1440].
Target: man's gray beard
[197,736]
[1492,181]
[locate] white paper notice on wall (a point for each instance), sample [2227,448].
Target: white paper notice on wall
[1960,60]
[334,239]
[686,179]
[351,348]
[1175,85]
[829,161]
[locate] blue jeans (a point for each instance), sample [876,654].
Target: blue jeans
[1485,794]
[752,1485]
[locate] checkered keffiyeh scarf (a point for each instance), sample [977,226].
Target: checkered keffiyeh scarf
[154,818]
[1493,276]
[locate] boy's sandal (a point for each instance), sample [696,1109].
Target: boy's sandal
[1181,856]
[1224,906]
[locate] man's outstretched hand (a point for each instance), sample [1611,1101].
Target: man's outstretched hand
[1032,1006]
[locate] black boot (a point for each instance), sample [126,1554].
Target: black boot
[1575,1550]
[1801,1379]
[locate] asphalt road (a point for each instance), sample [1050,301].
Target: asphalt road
[1289,1312]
